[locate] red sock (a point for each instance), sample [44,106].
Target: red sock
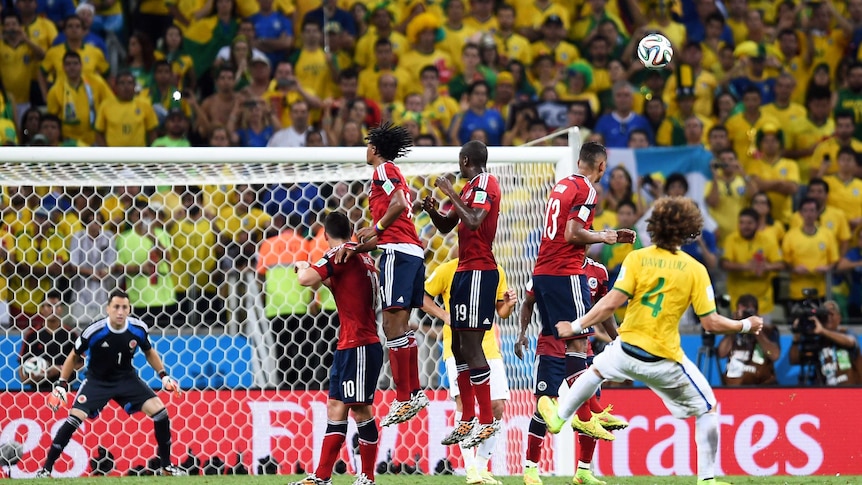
[594,404]
[584,413]
[535,438]
[332,442]
[413,365]
[586,447]
[468,400]
[368,452]
[481,380]
[399,361]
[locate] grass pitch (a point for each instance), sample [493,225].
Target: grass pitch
[448,480]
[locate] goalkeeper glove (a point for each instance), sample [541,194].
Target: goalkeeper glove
[58,395]
[169,384]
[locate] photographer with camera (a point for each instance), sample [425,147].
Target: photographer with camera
[826,352]
[751,358]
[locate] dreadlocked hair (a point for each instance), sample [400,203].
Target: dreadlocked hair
[390,141]
[674,221]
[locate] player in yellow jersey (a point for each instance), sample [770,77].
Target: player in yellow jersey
[439,283]
[659,282]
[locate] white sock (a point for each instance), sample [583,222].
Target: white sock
[530,464]
[583,465]
[481,463]
[468,454]
[584,386]
[706,439]
[486,449]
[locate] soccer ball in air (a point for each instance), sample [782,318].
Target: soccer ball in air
[655,51]
[35,365]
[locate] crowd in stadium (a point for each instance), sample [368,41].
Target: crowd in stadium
[772,91]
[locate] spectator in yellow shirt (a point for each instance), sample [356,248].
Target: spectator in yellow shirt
[824,161]
[727,194]
[783,108]
[382,27]
[810,252]
[92,59]
[765,223]
[77,98]
[774,174]
[314,70]
[808,133]
[384,55]
[845,187]
[481,18]
[695,77]
[19,54]
[127,120]
[422,34]
[828,217]
[737,13]
[744,126]
[828,44]
[751,258]
[40,256]
[511,44]
[796,62]
[553,43]
[39,29]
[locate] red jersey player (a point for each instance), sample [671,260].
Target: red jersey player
[359,355]
[402,264]
[550,367]
[559,283]
[473,299]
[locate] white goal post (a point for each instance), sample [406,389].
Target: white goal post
[234,367]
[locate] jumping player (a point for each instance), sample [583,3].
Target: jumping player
[660,282]
[110,346]
[402,265]
[552,351]
[358,357]
[474,287]
[559,280]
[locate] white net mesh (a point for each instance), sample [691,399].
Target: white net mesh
[251,347]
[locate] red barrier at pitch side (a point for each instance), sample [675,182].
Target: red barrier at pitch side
[762,432]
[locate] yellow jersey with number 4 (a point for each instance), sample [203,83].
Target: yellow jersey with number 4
[439,283]
[661,285]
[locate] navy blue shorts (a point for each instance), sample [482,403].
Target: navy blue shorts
[130,394]
[473,301]
[402,280]
[353,378]
[562,298]
[548,375]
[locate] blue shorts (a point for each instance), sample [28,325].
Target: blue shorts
[402,280]
[353,378]
[473,301]
[548,375]
[130,394]
[562,298]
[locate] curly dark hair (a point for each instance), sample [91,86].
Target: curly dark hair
[390,141]
[674,221]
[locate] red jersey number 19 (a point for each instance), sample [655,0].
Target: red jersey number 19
[552,213]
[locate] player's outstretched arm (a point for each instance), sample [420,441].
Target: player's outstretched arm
[155,361]
[600,312]
[525,318]
[715,323]
[431,308]
[57,398]
[505,306]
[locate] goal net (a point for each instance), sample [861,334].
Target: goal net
[204,240]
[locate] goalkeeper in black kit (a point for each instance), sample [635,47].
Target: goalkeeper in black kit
[110,345]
